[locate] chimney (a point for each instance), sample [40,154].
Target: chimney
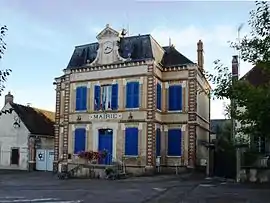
[9,98]
[235,67]
[200,57]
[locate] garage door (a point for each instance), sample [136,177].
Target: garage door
[44,160]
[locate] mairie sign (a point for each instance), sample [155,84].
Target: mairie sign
[105,116]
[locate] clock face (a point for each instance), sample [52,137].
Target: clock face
[108,47]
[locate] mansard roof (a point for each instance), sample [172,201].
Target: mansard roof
[136,48]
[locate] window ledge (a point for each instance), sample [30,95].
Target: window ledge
[175,111]
[168,156]
[131,156]
[104,111]
[136,108]
[80,111]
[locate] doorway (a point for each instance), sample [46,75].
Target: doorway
[105,142]
[15,156]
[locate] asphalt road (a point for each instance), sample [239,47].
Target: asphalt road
[22,187]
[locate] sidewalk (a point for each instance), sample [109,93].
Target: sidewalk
[160,178]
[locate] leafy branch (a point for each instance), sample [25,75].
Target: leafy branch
[253,109]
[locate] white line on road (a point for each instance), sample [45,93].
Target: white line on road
[79,201]
[10,197]
[159,189]
[28,200]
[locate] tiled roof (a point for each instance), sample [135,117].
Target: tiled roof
[136,48]
[37,121]
[256,76]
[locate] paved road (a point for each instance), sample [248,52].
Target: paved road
[41,187]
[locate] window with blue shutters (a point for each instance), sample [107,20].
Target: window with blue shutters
[158,141]
[174,142]
[132,95]
[175,98]
[79,140]
[131,141]
[106,97]
[81,98]
[159,97]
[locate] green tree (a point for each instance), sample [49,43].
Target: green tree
[255,49]
[4,73]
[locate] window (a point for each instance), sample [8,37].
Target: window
[174,142]
[132,95]
[175,98]
[79,140]
[259,143]
[15,156]
[159,97]
[106,97]
[81,98]
[158,141]
[131,141]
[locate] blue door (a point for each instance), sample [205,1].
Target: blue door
[105,142]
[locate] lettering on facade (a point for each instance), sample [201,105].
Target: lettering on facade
[106,116]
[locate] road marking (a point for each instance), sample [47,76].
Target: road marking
[78,201]
[159,189]
[10,197]
[14,199]
[206,185]
[29,200]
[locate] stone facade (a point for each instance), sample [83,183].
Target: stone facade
[148,72]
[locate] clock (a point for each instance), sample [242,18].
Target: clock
[107,47]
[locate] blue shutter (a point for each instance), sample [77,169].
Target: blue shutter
[178,97]
[175,98]
[79,140]
[158,142]
[78,98]
[171,98]
[114,104]
[136,95]
[174,142]
[84,98]
[97,98]
[158,96]
[129,94]
[131,141]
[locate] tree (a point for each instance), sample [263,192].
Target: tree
[254,49]
[4,73]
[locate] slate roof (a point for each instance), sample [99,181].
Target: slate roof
[37,121]
[136,48]
[172,57]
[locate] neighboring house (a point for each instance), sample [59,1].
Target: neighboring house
[134,98]
[256,77]
[216,125]
[26,137]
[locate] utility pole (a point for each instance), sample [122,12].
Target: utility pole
[235,77]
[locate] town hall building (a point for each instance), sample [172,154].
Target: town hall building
[145,104]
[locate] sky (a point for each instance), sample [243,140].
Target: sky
[42,36]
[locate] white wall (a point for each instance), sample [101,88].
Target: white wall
[12,137]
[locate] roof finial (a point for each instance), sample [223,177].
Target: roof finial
[107,25]
[170,41]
